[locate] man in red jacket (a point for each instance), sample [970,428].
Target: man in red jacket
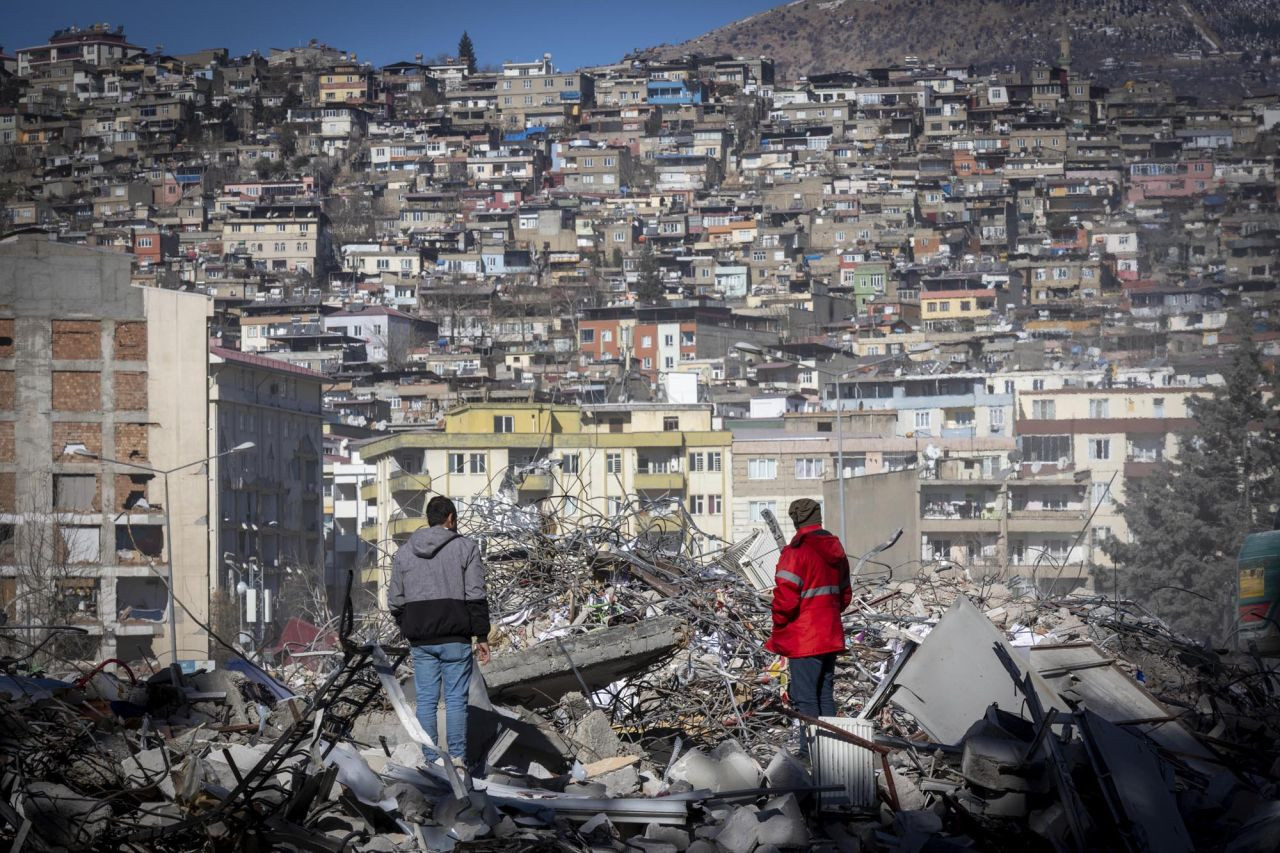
[811,589]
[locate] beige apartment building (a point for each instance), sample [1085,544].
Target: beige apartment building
[292,237]
[1115,434]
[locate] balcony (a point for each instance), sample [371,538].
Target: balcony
[401,527]
[655,482]
[369,490]
[1139,468]
[369,532]
[1047,520]
[404,482]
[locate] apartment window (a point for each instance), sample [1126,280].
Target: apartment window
[669,362]
[613,463]
[647,363]
[457,463]
[1046,448]
[668,340]
[924,420]
[762,469]
[144,242]
[646,341]
[997,419]
[503,423]
[1098,408]
[570,463]
[1100,534]
[671,424]
[697,462]
[606,336]
[944,305]
[696,504]
[477,463]
[1100,449]
[587,335]
[1098,494]
[756,509]
[1157,407]
[1042,410]
[715,505]
[714,460]
[810,468]
[619,236]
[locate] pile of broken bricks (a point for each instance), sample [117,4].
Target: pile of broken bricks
[635,709]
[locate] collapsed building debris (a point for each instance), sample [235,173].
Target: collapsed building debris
[630,704]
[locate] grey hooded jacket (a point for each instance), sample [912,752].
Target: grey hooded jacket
[437,590]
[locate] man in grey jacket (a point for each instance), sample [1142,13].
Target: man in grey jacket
[437,597]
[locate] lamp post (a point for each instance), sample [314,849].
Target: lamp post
[81,450]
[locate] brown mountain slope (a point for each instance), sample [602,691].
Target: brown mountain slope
[813,36]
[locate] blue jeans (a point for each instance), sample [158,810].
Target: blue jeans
[450,663]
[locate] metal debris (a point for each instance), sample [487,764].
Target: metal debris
[631,703]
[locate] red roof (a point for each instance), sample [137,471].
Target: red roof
[235,355]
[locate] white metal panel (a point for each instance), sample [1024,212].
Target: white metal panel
[838,762]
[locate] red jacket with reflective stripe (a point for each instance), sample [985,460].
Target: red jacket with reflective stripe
[810,591]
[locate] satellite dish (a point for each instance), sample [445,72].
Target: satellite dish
[1015,456]
[932,453]
[1063,462]
[1036,466]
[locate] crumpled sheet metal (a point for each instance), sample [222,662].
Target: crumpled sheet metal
[951,680]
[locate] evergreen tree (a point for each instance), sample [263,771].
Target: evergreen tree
[467,52]
[1188,519]
[649,289]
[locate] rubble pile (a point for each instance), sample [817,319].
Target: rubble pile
[630,705]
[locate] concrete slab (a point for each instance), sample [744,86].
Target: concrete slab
[539,676]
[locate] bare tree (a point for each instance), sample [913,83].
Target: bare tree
[51,585]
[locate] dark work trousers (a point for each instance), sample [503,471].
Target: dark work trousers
[813,683]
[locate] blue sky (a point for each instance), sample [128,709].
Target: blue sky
[381,31]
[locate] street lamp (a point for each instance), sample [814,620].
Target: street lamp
[81,450]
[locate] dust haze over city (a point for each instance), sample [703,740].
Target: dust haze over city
[838,425]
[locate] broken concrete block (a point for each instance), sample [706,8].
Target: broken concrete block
[786,771]
[909,795]
[595,737]
[413,806]
[61,817]
[673,835]
[461,819]
[738,771]
[148,768]
[695,768]
[741,832]
[621,783]
[785,825]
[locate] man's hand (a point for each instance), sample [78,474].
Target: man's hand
[482,652]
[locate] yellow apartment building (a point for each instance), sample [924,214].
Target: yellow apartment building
[639,462]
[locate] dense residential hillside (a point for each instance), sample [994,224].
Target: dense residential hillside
[812,36]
